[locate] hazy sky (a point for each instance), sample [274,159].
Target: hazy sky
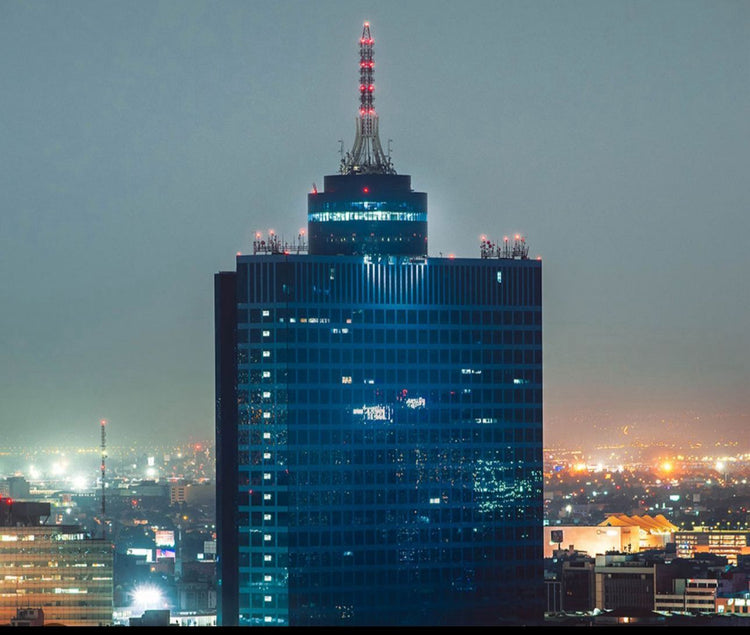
[144,143]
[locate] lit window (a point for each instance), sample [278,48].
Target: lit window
[266,455]
[266,435]
[267,537]
[266,313]
[266,395]
[268,618]
[266,374]
[266,333]
[267,558]
[415,402]
[266,353]
[266,476]
[500,276]
[346,379]
[266,578]
[266,497]
[266,516]
[268,598]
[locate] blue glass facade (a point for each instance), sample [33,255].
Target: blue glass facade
[379,433]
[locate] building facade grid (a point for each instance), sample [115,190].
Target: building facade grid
[389,429]
[58,569]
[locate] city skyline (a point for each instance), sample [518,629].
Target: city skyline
[146,143]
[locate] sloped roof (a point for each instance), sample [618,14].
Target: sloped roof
[657,524]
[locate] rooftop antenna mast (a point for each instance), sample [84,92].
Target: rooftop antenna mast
[366,156]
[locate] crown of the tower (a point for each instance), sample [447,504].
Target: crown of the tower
[367,209]
[366,155]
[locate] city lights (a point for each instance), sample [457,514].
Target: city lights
[147,596]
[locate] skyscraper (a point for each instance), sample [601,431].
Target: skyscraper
[378,415]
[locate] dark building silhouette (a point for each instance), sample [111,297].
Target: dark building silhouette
[378,416]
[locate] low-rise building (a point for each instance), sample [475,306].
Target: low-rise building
[689,595]
[728,543]
[622,581]
[616,533]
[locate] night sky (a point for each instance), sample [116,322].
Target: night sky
[145,142]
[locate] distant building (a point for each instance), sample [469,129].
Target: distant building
[16,487]
[177,494]
[624,582]
[617,533]
[689,596]
[55,568]
[569,575]
[192,493]
[736,604]
[28,617]
[152,617]
[628,587]
[728,543]
[578,586]
[591,539]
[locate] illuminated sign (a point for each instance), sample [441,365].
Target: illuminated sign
[164,538]
[376,413]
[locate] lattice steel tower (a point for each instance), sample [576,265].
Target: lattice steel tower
[366,156]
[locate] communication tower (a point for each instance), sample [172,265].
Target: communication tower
[104,456]
[366,156]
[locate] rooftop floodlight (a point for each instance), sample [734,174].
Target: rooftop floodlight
[147,596]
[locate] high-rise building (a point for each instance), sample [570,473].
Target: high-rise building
[378,416]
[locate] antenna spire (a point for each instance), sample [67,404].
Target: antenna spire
[104,456]
[366,156]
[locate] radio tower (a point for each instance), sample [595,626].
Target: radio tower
[104,455]
[366,156]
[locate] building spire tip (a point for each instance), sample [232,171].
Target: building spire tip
[366,156]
